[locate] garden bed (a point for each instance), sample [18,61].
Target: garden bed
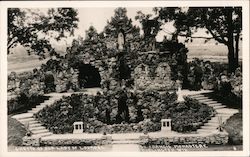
[145,113]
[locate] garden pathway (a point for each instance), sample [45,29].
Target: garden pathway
[222,113]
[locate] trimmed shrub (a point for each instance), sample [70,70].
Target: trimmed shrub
[189,115]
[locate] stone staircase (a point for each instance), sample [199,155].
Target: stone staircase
[35,126]
[222,112]
[29,120]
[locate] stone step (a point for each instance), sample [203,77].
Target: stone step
[215,124]
[204,131]
[36,109]
[42,134]
[33,111]
[209,127]
[197,96]
[35,125]
[212,105]
[211,102]
[22,116]
[42,106]
[40,131]
[46,103]
[213,119]
[200,98]
[227,111]
[219,107]
[224,115]
[216,120]
[25,120]
[39,106]
[33,122]
[205,100]
[36,128]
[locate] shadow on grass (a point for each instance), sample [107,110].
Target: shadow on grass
[16,132]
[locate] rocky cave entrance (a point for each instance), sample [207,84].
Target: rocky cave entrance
[88,76]
[49,82]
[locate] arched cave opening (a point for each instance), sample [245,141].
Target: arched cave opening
[49,82]
[88,76]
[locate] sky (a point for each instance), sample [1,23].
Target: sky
[98,17]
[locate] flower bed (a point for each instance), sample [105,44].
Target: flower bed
[99,113]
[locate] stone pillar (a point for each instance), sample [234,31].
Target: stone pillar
[166,125]
[78,127]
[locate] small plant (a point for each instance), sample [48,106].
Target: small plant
[220,128]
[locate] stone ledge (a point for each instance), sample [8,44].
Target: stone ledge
[80,142]
[31,141]
[216,138]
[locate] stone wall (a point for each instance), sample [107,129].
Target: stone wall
[77,142]
[153,71]
[37,141]
[215,138]
[31,141]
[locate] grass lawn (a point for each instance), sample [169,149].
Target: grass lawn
[15,132]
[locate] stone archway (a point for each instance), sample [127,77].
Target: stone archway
[49,81]
[88,76]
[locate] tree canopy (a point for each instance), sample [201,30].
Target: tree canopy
[120,21]
[35,30]
[224,24]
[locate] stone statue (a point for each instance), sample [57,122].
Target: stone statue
[179,92]
[120,41]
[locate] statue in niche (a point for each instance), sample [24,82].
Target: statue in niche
[121,40]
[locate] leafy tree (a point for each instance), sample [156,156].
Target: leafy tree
[34,30]
[121,21]
[91,33]
[224,24]
[150,25]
